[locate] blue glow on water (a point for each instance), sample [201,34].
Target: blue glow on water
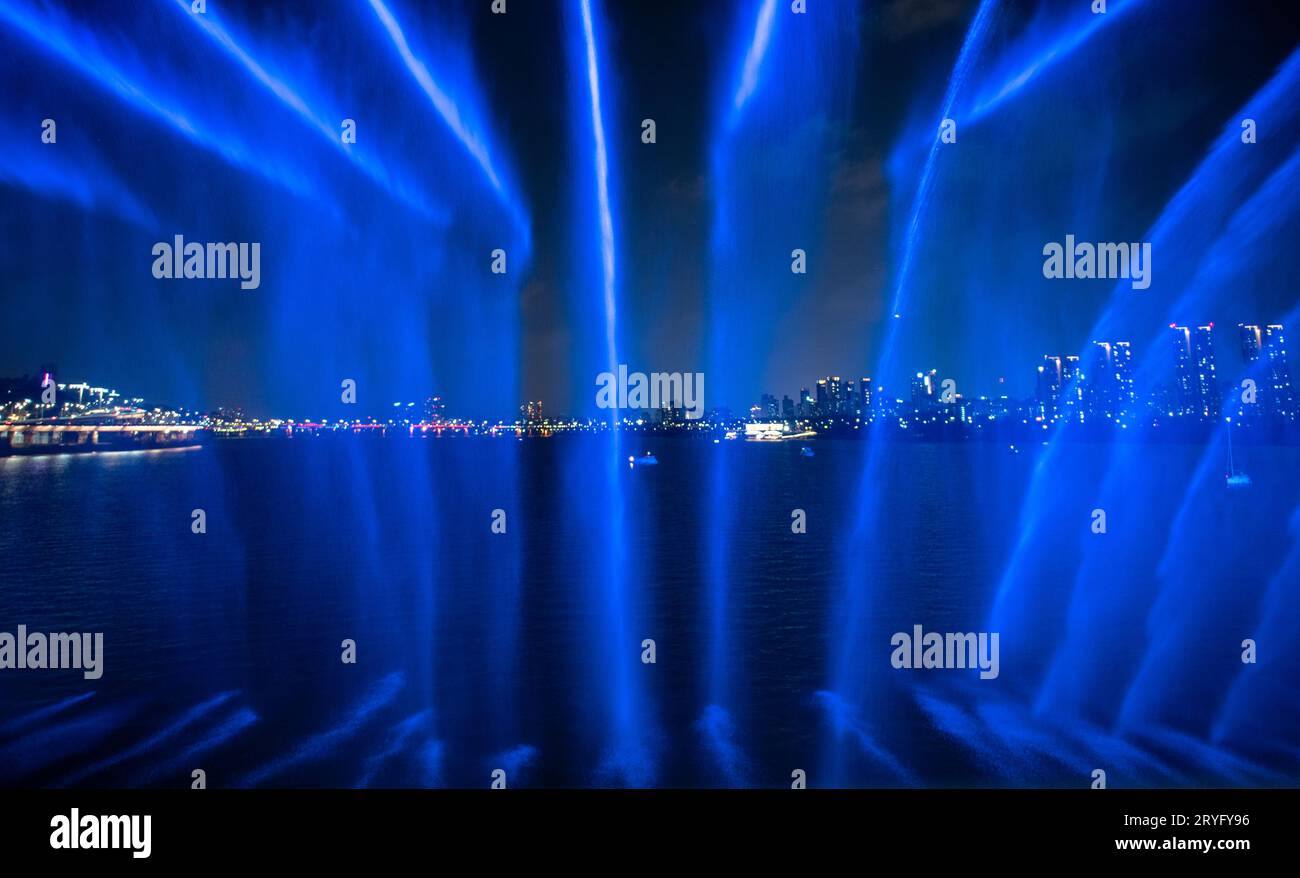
[625,757]
[324,743]
[153,742]
[964,729]
[430,758]
[34,753]
[1020,735]
[516,763]
[178,769]
[408,275]
[1078,746]
[716,724]
[622,735]
[721,584]
[847,723]
[719,735]
[18,724]
[847,677]
[782,97]
[399,740]
[1260,705]
[1150,598]
[1203,758]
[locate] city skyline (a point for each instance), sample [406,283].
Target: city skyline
[1064,388]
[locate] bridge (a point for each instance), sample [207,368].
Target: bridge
[48,436]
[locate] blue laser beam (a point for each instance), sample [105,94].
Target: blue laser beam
[291,98]
[457,119]
[84,52]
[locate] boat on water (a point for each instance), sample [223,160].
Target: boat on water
[646,459]
[766,431]
[805,451]
[1233,478]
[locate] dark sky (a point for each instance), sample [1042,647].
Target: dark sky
[375,259]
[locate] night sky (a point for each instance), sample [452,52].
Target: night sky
[375,260]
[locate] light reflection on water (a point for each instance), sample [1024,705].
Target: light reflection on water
[261,603]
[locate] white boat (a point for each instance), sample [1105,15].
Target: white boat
[766,431]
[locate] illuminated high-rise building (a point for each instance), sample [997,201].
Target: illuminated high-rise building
[1207,379]
[1071,388]
[823,397]
[1265,350]
[1252,339]
[923,388]
[1049,385]
[1100,391]
[836,394]
[1069,369]
[806,409]
[864,397]
[1281,402]
[1184,395]
[1121,373]
[1110,381]
[1251,342]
